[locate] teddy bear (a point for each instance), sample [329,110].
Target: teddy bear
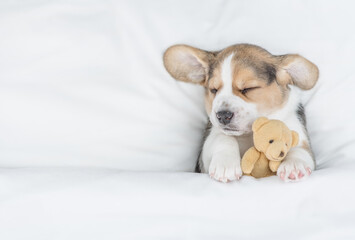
[272,141]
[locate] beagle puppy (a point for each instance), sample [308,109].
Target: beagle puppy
[243,82]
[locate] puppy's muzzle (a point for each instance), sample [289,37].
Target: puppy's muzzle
[224,117]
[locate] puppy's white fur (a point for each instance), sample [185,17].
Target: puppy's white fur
[226,100]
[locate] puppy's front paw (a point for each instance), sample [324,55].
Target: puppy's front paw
[225,168]
[294,170]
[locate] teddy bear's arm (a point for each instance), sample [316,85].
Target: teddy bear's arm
[274,165]
[249,159]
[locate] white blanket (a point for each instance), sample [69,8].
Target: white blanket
[83,203]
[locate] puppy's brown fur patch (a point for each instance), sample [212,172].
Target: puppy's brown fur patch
[252,67]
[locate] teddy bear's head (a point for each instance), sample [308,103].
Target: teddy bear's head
[273,138]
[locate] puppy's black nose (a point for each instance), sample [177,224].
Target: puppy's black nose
[224,117]
[281,154]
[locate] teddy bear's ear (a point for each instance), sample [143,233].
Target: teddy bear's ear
[294,138]
[258,123]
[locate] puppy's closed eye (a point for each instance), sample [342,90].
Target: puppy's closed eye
[214,90]
[246,90]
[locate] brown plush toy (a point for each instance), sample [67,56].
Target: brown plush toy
[272,141]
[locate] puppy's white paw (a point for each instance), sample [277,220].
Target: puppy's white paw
[294,170]
[225,168]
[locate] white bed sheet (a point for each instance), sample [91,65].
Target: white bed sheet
[89,203]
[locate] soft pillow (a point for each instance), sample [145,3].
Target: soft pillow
[83,83]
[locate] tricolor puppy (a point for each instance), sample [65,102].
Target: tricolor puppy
[244,82]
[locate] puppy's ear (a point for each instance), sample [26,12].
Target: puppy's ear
[258,123]
[294,138]
[295,69]
[188,64]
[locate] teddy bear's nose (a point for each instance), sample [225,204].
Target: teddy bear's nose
[281,154]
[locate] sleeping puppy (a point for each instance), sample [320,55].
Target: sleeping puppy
[243,82]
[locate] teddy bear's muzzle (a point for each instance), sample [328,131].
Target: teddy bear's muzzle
[277,151]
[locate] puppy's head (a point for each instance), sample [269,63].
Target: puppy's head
[242,82]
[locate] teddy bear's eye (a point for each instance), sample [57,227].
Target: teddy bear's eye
[271,141]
